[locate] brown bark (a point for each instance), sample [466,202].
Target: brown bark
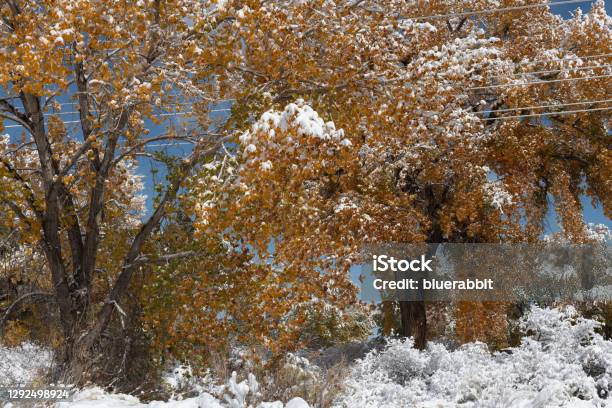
[414,322]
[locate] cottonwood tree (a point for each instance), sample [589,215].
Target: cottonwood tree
[71,189]
[199,308]
[412,129]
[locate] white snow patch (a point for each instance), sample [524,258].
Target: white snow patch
[19,366]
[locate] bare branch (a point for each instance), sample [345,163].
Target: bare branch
[18,148]
[143,143]
[166,258]
[30,198]
[15,115]
[17,303]
[75,157]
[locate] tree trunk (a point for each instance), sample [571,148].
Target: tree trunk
[414,322]
[413,314]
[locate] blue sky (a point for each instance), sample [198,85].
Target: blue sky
[566,9]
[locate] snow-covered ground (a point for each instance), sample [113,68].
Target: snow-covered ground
[97,398]
[19,366]
[561,363]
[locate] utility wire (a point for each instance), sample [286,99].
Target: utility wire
[584,57]
[176,143]
[76,112]
[564,59]
[500,76]
[180,103]
[159,115]
[497,10]
[478,113]
[552,71]
[504,110]
[470,88]
[171,144]
[538,82]
[482,87]
[548,114]
[559,105]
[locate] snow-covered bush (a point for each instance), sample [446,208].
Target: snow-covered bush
[562,362]
[180,381]
[240,392]
[401,361]
[293,376]
[256,379]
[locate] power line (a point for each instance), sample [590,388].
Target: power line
[497,76]
[552,71]
[515,64]
[559,105]
[178,103]
[539,82]
[170,144]
[491,11]
[583,57]
[478,113]
[480,87]
[548,113]
[577,58]
[484,119]
[472,88]
[163,114]
[159,115]
[565,59]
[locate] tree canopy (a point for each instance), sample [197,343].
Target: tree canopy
[351,123]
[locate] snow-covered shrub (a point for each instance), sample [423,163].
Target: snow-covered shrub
[562,362]
[294,376]
[241,393]
[566,334]
[401,361]
[180,381]
[559,327]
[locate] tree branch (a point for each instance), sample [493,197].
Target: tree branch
[166,258]
[143,143]
[129,264]
[96,203]
[29,193]
[17,303]
[16,116]
[75,157]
